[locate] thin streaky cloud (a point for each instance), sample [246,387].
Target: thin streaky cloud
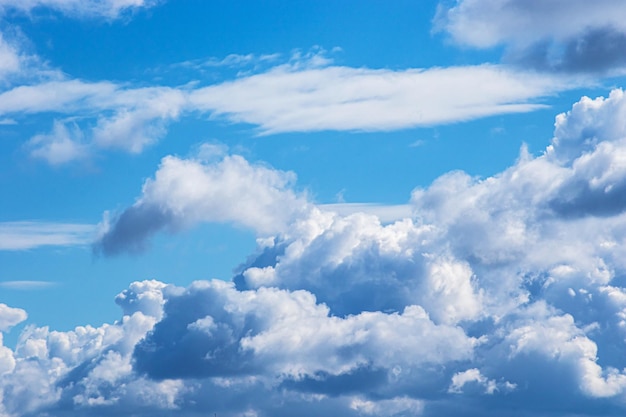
[27,285]
[24,235]
[108,9]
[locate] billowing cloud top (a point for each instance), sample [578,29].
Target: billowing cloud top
[489,296]
[494,295]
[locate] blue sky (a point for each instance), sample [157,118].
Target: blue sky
[312,208]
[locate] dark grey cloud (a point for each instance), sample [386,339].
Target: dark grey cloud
[361,380]
[131,230]
[175,348]
[600,50]
[578,199]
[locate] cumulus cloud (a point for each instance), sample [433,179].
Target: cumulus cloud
[9,317]
[562,35]
[487,300]
[186,192]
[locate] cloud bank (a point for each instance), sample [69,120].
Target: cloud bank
[502,296]
[29,235]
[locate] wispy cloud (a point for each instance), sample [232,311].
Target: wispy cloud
[7,122]
[304,95]
[109,9]
[23,235]
[230,61]
[288,99]
[27,285]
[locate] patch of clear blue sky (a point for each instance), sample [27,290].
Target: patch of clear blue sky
[362,167]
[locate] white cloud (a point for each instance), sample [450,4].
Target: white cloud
[28,235]
[386,213]
[306,94]
[10,60]
[288,98]
[474,376]
[401,406]
[10,316]
[139,119]
[64,144]
[127,119]
[59,96]
[558,338]
[559,34]
[487,23]
[186,192]
[589,122]
[231,61]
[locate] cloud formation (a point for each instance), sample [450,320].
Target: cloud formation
[561,35]
[287,98]
[489,299]
[306,94]
[186,192]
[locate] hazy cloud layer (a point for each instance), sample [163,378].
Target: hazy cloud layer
[489,299]
[561,35]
